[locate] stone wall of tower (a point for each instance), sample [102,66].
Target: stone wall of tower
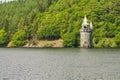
[86,34]
[85,39]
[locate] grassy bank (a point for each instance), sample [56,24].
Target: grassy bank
[41,43]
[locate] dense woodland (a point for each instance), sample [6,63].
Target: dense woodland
[25,20]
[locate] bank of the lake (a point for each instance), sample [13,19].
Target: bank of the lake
[40,43]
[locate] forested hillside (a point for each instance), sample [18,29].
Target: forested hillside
[33,20]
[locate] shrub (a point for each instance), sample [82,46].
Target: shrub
[117,39]
[71,39]
[19,38]
[106,42]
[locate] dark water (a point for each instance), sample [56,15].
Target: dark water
[59,64]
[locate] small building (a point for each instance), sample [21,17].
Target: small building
[86,34]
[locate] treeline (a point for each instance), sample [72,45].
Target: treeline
[25,20]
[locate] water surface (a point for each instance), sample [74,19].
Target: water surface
[59,64]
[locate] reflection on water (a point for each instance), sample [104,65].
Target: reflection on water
[59,64]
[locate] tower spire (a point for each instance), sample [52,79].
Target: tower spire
[85,23]
[91,25]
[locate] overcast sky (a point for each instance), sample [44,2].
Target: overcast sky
[6,0]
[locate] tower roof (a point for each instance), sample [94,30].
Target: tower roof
[85,21]
[91,25]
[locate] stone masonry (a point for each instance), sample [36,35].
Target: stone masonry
[86,34]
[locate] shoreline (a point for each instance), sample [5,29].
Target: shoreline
[64,47]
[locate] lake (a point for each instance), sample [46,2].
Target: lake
[59,64]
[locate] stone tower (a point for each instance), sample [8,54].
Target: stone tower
[86,34]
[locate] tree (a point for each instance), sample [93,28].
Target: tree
[3,37]
[53,19]
[48,32]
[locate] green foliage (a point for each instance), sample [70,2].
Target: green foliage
[19,38]
[48,32]
[106,42]
[53,19]
[71,39]
[3,37]
[117,39]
